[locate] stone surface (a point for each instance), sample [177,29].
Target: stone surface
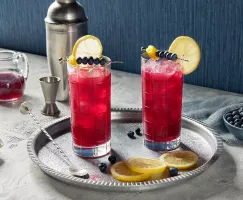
[21,179]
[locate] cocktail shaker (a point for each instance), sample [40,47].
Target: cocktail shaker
[65,23]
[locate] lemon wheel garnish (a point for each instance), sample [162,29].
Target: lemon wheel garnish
[188,49]
[87,45]
[180,159]
[145,165]
[121,172]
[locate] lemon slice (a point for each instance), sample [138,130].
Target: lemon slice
[180,159]
[145,165]
[87,45]
[161,175]
[188,49]
[120,172]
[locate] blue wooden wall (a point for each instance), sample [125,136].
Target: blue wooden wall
[126,25]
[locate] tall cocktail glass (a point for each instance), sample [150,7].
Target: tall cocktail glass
[162,83]
[90,93]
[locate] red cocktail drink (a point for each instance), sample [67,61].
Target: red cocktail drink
[90,92]
[162,83]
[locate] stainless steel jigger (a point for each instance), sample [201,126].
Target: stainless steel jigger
[49,87]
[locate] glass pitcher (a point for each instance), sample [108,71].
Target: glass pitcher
[14,69]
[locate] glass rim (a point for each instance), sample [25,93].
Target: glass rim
[49,79]
[10,57]
[145,56]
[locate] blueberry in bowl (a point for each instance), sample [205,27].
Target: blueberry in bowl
[233,120]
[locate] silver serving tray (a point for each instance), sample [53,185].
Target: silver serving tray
[195,136]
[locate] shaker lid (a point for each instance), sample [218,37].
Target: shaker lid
[65,12]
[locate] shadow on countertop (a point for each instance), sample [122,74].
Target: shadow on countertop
[16,103]
[1,162]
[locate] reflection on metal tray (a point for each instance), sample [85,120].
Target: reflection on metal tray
[194,136]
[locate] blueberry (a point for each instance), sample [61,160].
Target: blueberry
[241,113]
[235,112]
[91,60]
[165,54]
[102,61]
[241,126]
[238,120]
[237,124]
[241,118]
[162,54]
[79,60]
[174,57]
[157,53]
[143,49]
[236,117]
[85,60]
[169,56]
[102,167]
[131,135]
[173,171]
[231,122]
[240,110]
[138,131]
[229,119]
[228,115]
[96,61]
[112,159]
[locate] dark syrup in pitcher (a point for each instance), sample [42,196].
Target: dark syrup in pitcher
[12,86]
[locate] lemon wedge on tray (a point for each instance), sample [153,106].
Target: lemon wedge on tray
[187,48]
[121,172]
[87,45]
[180,159]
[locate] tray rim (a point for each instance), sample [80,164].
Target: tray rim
[123,186]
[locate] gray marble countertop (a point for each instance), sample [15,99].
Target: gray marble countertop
[21,179]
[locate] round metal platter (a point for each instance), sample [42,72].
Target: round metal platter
[195,136]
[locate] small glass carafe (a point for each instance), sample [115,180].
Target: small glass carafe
[14,69]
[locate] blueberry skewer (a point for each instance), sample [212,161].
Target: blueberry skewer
[89,60]
[165,55]
[169,56]
[102,61]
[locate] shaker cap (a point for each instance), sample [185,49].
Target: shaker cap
[65,12]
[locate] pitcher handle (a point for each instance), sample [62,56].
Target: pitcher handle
[22,64]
